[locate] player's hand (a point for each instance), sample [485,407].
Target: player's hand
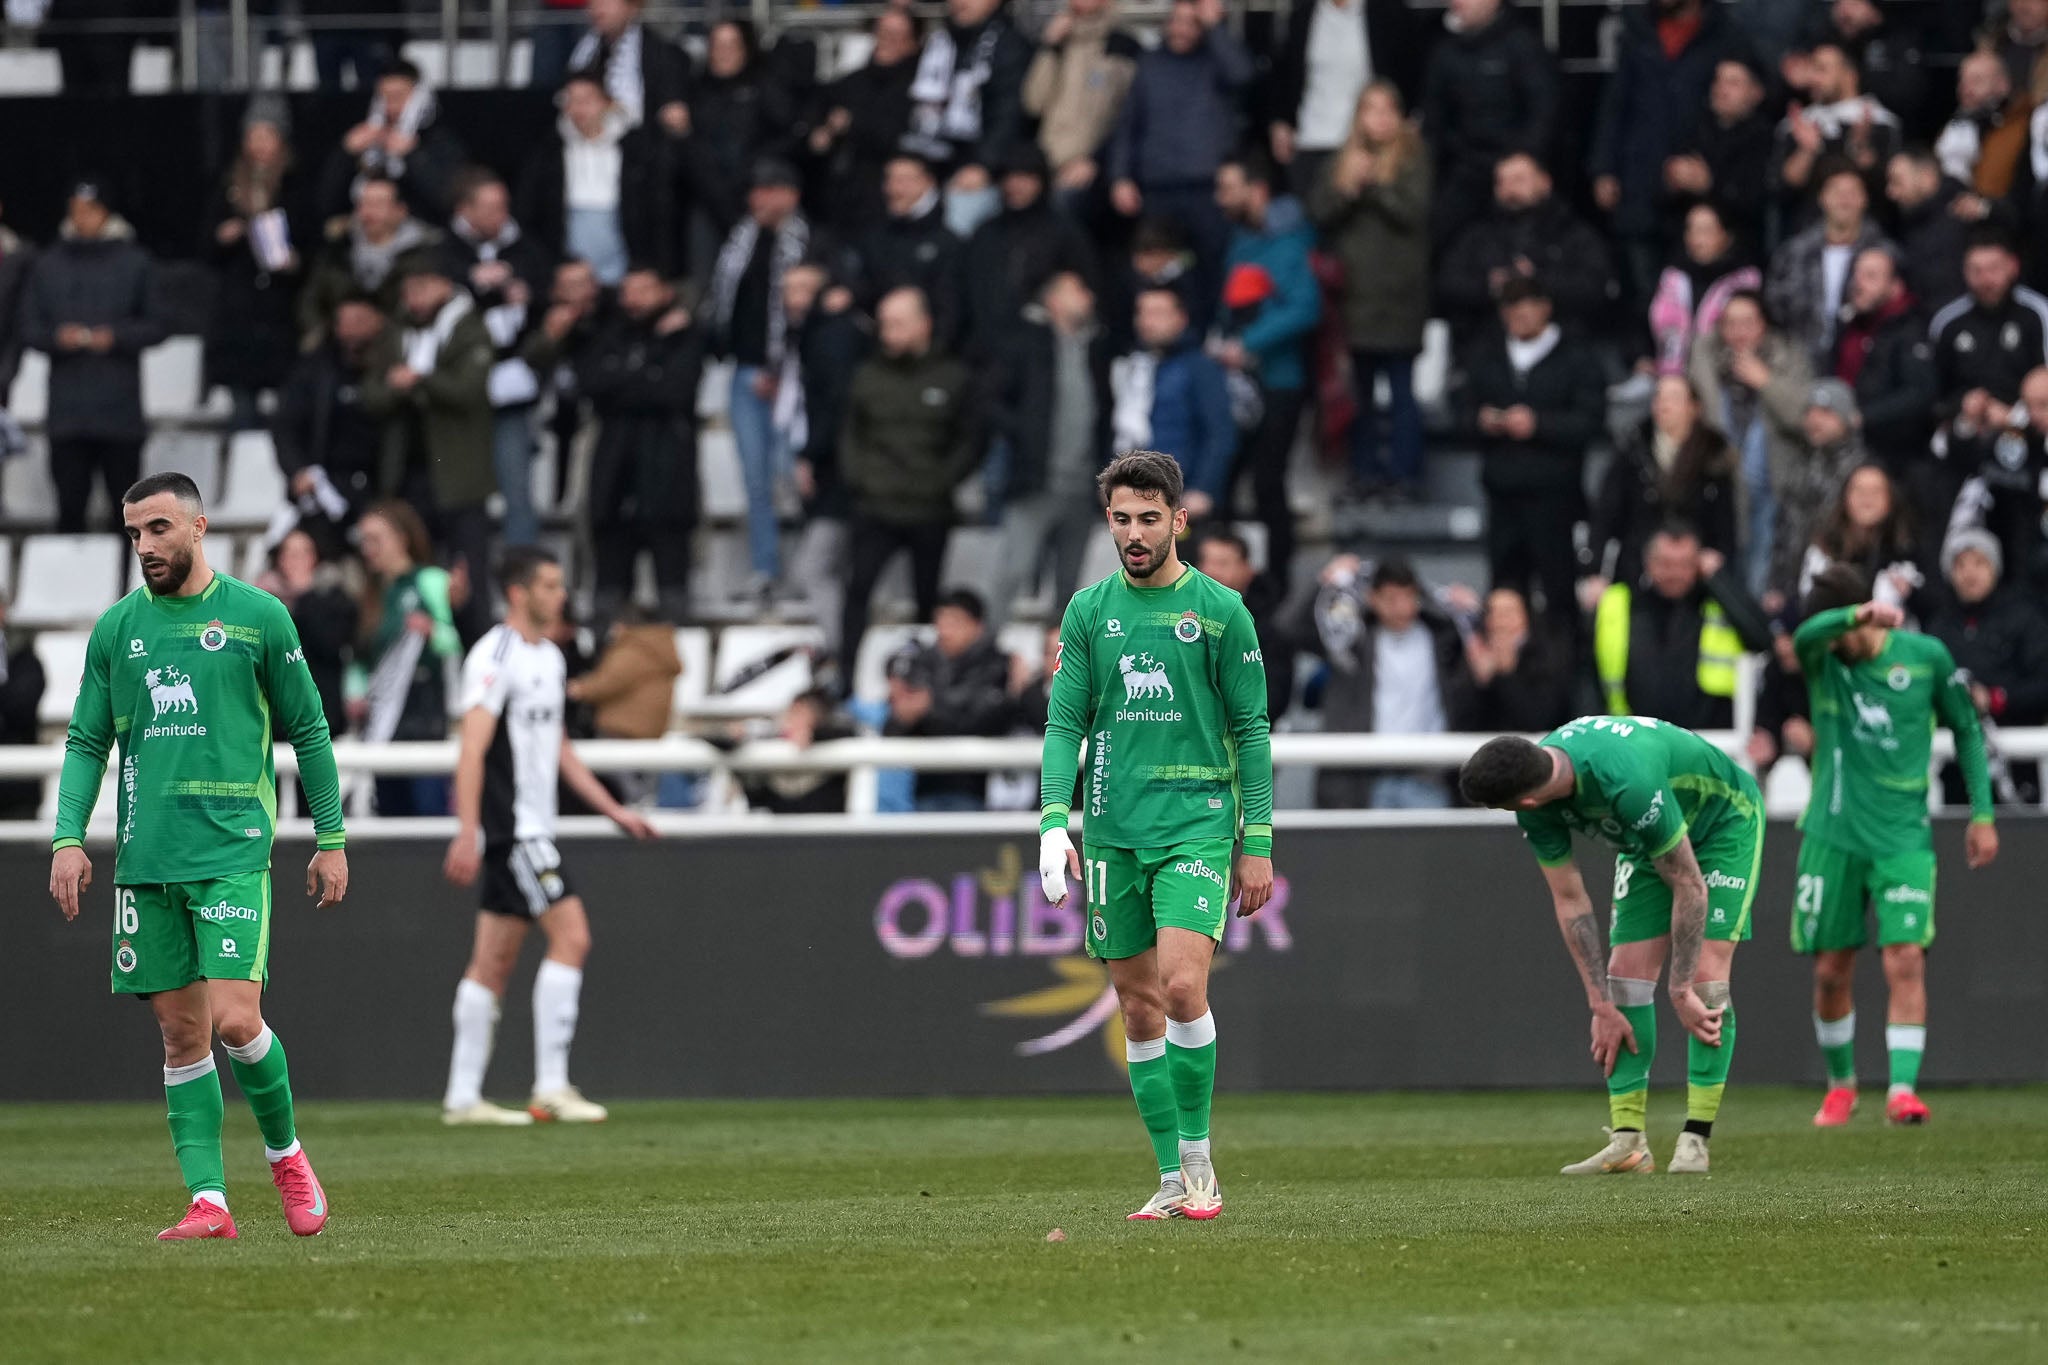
[70,873]
[463,860]
[327,875]
[1701,1022]
[635,824]
[1611,1033]
[1254,884]
[1056,861]
[1886,614]
[1980,845]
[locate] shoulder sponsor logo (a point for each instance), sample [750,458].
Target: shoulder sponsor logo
[1649,818]
[1255,656]
[1059,652]
[297,656]
[214,638]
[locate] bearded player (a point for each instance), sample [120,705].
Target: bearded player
[191,674]
[1878,692]
[1158,667]
[1688,829]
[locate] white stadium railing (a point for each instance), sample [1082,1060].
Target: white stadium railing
[863,758]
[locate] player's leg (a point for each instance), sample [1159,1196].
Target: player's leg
[1190,904]
[259,1065]
[1637,942]
[1903,888]
[194,1108]
[1827,924]
[493,953]
[557,992]
[1122,935]
[1731,860]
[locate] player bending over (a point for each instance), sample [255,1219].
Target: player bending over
[1688,829]
[1877,694]
[513,749]
[191,674]
[1159,667]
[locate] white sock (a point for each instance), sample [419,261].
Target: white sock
[215,1198]
[1199,1147]
[253,1051]
[556,989]
[273,1156]
[476,1019]
[1194,1033]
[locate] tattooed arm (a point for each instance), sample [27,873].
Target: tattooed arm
[1611,1032]
[1681,872]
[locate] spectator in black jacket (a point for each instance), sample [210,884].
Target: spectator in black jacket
[21,697]
[1355,43]
[1049,397]
[860,123]
[1838,121]
[1936,216]
[324,612]
[16,255]
[368,253]
[1726,161]
[738,114]
[327,443]
[832,339]
[1997,634]
[1491,88]
[1784,715]
[640,374]
[2005,487]
[402,140]
[600,191]
[259,227]
[1534,399]
[957,685]
[1673,468]
[1012,255]
[1987,341]
[1666,62]
[811,719]
[911,247]
[1883,354]
[1531,233]
[1515,677]
[89,305]
[647,75]
[1884,47]
[967,104]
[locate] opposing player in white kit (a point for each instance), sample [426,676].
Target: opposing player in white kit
[513,749]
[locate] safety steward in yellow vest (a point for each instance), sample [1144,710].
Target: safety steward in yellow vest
[1673,648]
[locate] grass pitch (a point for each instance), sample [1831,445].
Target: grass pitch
[1395,1227]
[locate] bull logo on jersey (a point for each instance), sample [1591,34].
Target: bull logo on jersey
[1144,676]
[1873,722]
[170,690]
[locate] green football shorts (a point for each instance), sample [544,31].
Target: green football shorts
[1730,858]
[168,936]
[1135,892]
[1835,885]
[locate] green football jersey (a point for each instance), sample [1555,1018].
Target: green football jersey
[1643,785]
[1168,687]
[1873,736]
[193,690]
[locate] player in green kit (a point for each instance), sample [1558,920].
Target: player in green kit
[1877,693]
[1687,827]
[1158,668]
[193,674]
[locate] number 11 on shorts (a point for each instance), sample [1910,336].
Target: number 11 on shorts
[1097,875]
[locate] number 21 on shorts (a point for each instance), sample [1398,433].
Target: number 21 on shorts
[1811,897]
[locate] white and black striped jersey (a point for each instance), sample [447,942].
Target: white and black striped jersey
[521,684]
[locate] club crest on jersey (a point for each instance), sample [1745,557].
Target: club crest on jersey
[1188,629]
[1900,678]
[214,638]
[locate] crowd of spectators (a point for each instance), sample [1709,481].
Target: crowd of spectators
[1788,270]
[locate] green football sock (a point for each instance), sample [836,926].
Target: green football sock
[1628,1089]
[259,1069]
[1152,1086]
[192,1097]
[1191,1052]
[1907,1044]
[1706,1068]
[1837,1038]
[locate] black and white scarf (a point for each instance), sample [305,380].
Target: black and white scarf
[418,113]
[947,93]
[791,240]
[622,76]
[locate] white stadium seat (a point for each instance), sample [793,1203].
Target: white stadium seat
[152,71]
[7,567]
[973,553]
[741,646]
[719,477]
[30,71]
[26,493]
[253,559]
[29,400]
[67,580]
[254,487]
[714,390]
[170,378]
[877,647]
[693,649]
[1024,641]
[62,655]
[195,454]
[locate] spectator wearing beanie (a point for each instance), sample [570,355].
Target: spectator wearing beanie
[1996,632]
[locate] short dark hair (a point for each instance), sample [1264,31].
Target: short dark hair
[1503,771]
[1224,535]
[378,178]
[1395,572]
[584,78]
[962,599]
[179,486]
[519,563]
[1143,472]
[1920,154]
[1255,164]
[1158,234]
[402,69]
[473,179]
[1167,290]
[1990,237]
[1523,289]
[1671,528]
[1838,585]
[1834,165]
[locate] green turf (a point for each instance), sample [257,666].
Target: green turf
[1395,1227]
